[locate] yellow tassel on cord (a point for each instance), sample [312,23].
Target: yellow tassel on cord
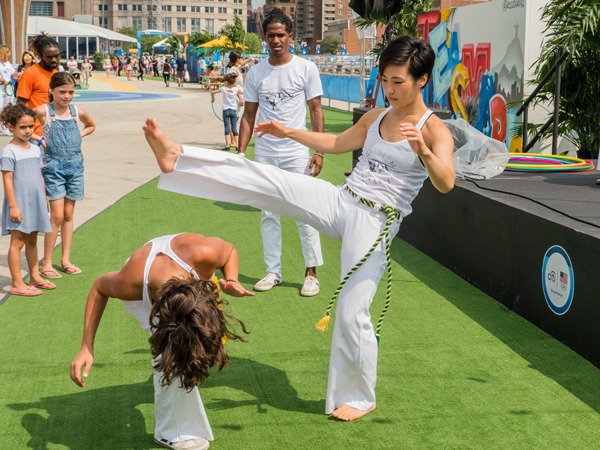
[323,323]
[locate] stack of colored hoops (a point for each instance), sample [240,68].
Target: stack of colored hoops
[537,162]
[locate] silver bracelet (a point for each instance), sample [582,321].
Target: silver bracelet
[319,154]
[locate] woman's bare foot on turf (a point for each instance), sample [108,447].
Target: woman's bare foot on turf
[165,150]
[347,413]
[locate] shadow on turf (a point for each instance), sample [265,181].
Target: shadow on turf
[268,385]
[105,418]
[545,354]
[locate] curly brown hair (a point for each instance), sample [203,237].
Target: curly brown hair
[230,78]
[13,112]
[188,326]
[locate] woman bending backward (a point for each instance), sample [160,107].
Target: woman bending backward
[403,145]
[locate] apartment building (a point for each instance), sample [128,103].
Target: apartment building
[312,17]
[64,9]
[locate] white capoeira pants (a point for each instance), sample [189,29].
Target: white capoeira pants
[332,211]
[180,415]
[270,225]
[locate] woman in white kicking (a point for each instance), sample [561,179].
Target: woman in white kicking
[402,146]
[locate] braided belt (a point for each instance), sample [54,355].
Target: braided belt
[391,214]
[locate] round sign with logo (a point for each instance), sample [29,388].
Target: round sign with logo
[557,280]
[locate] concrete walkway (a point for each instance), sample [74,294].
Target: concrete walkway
[117,158]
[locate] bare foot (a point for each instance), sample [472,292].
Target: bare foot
[347,413]
[165,150]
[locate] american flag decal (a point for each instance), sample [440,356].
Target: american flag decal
[564,277]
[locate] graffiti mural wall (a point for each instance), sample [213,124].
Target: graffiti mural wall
[479,64]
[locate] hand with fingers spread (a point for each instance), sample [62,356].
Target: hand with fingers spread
[414,137]
[83,360]
[272,127]
[234,288]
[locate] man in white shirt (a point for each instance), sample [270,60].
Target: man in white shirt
[282,85]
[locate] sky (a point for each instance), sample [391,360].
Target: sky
[257,3]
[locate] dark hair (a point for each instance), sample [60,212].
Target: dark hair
[188,327]
[230,78]
[23,58]
[40,42]
[407,49]
[60,79]
[233,57]
[276,15]
[13,112]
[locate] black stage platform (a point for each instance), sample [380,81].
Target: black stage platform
[510,247]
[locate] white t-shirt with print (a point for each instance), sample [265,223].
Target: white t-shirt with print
[281,93]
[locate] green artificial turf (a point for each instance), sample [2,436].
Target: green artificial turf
[456,369]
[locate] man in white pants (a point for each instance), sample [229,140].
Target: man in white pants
[174,275]
[281,86]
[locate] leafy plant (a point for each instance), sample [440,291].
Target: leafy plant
[128,31]
[98,60]
[253,44]
[200,37]
[174,44]
[573,25]
[330,45]
[403,17]
[235,32]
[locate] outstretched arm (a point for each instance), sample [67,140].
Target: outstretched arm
[104,287]
[88,123]
[351,139]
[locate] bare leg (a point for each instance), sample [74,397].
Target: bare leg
[31,254]
[57,210]
[347,413]
[165,150]
[227,137]
[17,241]
[67,232]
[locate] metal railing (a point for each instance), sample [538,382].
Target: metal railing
[556,69]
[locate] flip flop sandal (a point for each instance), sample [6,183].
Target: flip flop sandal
[47,285]
[29,292]
[44,272]
[65,269]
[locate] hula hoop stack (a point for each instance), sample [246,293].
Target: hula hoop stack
[537,162]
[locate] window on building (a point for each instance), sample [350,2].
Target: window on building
[180,8]
[136,7]
[137,22]
[195,24]
[103,22]
[60,9]
[209,9]
[100,7]
[121,7]
[167,23]
[292,9]
[209,26]
[222,10]
[40,9]
[195,9]
[166,7]
[181,23]
[151,7]
[151,22]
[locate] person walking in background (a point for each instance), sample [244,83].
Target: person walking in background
[27,60]
[63,167]
[167,72]
[72,64]
[279,88]
[107,65]
[129,68]
[141,68]
[24,212]
[6,81]
[155,66]
[86,71]
[181,68]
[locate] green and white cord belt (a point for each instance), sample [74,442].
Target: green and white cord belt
[392,214]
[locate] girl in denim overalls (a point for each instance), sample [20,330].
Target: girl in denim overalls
[63,167]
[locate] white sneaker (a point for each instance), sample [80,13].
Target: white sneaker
[190,444]
[241,155]
[268,281]
[310,288]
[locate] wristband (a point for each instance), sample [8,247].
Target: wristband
[319,154]
[40,141]
[232,280]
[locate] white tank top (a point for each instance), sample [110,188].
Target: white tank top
[230,97]
[162,245]
[388,173]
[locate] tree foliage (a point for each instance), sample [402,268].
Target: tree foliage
[253,43]
[174,44]
[234,32]
[200,37]
[573,25]
[128,31]
[330,45]
[148,42]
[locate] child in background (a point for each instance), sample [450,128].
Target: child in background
[24,212]
[167,72]
[231,95]
[63,167]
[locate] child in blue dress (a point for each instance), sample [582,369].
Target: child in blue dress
[63,166]
[24,212]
